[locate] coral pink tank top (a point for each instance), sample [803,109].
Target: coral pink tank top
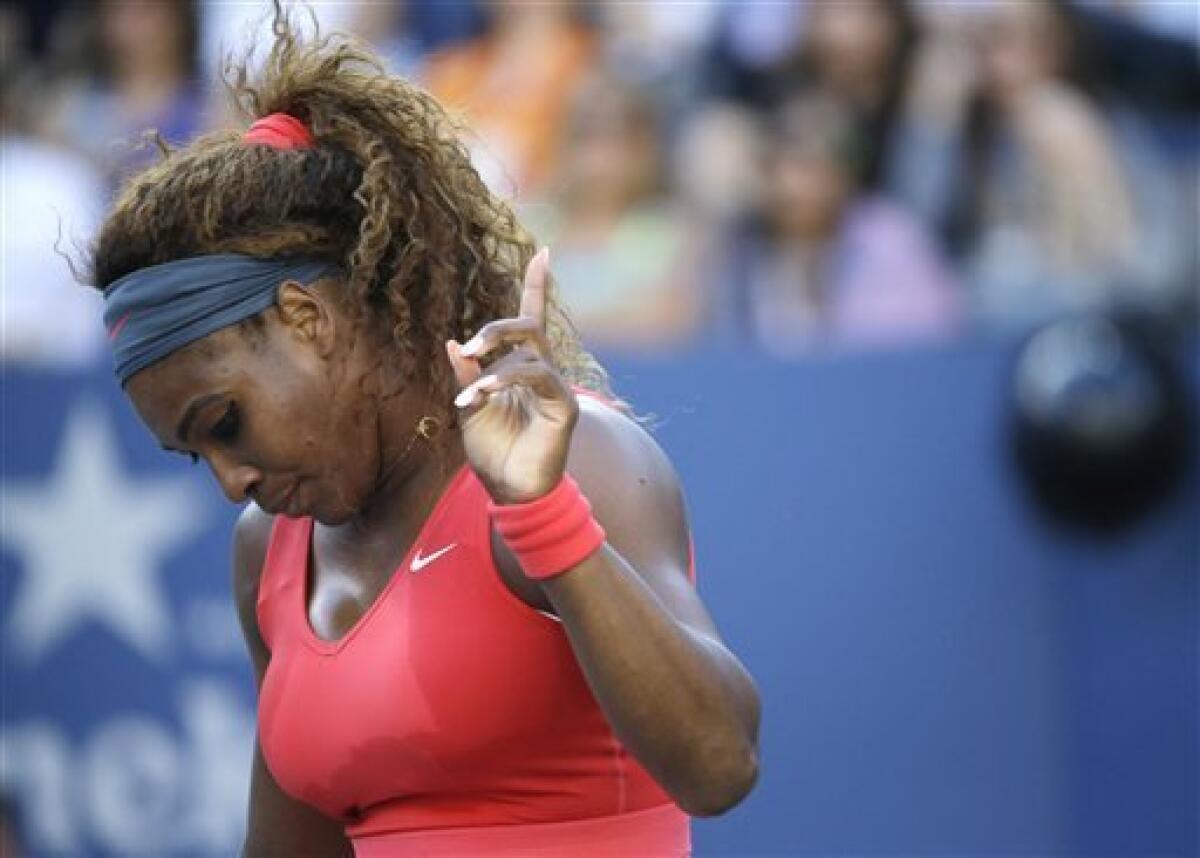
[452,718]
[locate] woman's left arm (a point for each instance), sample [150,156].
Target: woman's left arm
[674,694]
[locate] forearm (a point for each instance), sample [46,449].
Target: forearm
[676,697]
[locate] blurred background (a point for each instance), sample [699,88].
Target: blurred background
[906,288]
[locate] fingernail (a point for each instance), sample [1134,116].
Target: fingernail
[465,397]
[486,381]
[473,345]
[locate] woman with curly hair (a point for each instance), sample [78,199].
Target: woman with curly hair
[465,578]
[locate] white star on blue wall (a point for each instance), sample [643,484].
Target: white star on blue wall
[92,539]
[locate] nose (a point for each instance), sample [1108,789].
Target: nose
[238,481]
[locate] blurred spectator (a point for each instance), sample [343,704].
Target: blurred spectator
[384,26]
[716,163]
[124,67]
[861,51]
[824,263]
[435,24]
[51,195]
[1051,205]
[990,121]
[626,261]
[652,41]
[858,50]
[943,77]
[513,84]
[659,47]
[403,31]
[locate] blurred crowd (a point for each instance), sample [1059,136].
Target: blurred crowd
[788,177]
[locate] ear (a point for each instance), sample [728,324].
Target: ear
[306,315]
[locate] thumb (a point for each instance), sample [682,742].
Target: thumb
[466,369]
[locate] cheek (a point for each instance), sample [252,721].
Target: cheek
[303,414]
[292,433]
[348,451]
[346,484]
[356,452]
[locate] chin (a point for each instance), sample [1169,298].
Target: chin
[331,514]
[331,517]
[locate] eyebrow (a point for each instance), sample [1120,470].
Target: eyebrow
[190,413]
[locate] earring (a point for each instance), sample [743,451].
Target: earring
[428,427]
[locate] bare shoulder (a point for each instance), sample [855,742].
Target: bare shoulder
[608,441]
[251,536]
[632,485]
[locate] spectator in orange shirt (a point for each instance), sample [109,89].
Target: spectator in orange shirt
[513,85]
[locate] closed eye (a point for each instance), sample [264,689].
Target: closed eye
[227,426]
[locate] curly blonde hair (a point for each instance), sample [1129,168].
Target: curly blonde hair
[388,193]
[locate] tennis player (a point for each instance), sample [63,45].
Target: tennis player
[465,577]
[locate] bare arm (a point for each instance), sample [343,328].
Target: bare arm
[278,825]
[675,695]
[672,691]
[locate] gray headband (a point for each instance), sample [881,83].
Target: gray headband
[153,311]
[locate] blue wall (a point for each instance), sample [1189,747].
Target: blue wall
[941,672]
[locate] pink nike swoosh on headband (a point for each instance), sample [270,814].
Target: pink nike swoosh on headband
[116,329]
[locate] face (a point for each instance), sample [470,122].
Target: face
[806,193]
[1022,47]
[851,39]
[287,416]
[151,32]
[609,160]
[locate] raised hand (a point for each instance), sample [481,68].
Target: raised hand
[519,413]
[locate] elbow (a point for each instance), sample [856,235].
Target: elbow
[721,785]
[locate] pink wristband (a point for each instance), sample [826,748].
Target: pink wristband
[552,534]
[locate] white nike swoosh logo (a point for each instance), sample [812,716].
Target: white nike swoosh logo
[419,562]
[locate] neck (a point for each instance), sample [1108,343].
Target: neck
[413,468]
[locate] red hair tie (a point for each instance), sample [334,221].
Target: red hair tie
[279,131]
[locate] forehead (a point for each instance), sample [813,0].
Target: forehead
[162,391]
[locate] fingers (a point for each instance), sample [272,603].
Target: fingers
[527,329]
[533,294]
[534,374]
[528,364]
[466,369]
[523,331]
